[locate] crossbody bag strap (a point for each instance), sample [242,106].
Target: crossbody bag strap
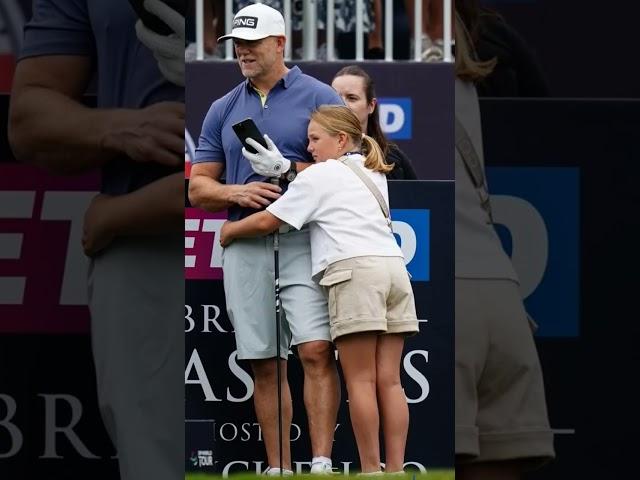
[474,167]
[372,188]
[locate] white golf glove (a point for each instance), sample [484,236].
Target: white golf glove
[167,50]
[269,163]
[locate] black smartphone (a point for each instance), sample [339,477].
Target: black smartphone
[154,23]
[247,129]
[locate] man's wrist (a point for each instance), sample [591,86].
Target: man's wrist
[232,192]
[290,173]
[112,129]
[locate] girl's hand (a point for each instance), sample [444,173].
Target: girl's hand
[98,231]
[225,234]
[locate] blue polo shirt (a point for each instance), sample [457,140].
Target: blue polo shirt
[284,117]
[126,73]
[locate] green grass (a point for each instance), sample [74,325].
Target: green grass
[430,475]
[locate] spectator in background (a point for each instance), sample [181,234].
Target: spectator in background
[210,27]
[502,428]
[375,49]
[356,88]
[432,32]
[517,72]
[213,27]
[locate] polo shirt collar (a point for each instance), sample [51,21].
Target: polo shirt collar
[291,76]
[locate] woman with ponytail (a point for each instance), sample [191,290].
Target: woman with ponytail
[356,258]
[357,90]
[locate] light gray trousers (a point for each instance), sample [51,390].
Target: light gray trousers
[136,297]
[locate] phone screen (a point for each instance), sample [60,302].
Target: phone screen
[248,129]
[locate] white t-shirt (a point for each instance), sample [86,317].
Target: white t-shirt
[479,252]
[345,219]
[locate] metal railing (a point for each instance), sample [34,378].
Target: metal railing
[310,29]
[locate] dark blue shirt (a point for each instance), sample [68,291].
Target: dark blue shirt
[127,74]
[284,117]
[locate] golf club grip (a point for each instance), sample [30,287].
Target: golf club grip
[276,234]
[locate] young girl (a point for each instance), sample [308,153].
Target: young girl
[356,258]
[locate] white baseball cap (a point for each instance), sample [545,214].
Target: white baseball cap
[255,22]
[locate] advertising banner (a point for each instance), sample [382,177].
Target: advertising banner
[222,433]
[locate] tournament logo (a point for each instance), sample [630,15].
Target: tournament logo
[201,458]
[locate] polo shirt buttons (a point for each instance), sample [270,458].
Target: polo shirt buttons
[266,106]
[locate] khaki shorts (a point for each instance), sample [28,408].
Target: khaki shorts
[501,413]
[369,294]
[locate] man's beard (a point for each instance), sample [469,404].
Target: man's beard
[252,73]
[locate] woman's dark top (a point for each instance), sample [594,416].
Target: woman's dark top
[403,168]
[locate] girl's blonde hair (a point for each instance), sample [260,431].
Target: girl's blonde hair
[467,65]
[335,119]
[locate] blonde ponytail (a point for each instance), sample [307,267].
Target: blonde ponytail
[374,158]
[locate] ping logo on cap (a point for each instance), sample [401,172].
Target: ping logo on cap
[245,22]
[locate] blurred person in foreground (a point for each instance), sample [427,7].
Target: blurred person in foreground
[135,137]
[502,428]
[280,101]
[357,89]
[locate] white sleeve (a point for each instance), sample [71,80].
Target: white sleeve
[300,202]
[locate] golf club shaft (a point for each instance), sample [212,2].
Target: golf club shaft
[276,272]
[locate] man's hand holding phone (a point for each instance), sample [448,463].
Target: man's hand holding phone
[266,161]
[265,158]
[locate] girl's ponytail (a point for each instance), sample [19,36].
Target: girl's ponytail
[374,158]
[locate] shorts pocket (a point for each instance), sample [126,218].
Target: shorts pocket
[336,277]
[330,282]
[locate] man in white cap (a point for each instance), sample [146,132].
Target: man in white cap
[280,101]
